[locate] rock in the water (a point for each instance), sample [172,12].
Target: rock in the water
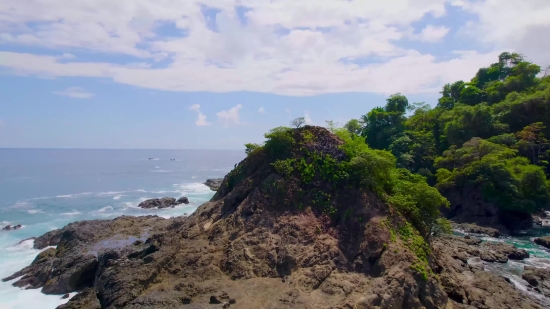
[165,202]
[11,227]
[214,184]
[543,241]
[538,278]
[508,250]
[65,296]
[476,229]
[183,200]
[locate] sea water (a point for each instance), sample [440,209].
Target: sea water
[45,189]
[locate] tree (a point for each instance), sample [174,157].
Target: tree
[298,122]
[354,126]
[533,141]
[383,125]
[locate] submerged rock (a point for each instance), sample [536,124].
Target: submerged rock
[165,202]
[214,184]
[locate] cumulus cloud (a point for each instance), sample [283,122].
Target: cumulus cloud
[261,110]
[307,118]
[433,33]
[75,92]
[298,48]
[201,118]
[230,116]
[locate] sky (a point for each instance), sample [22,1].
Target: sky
[216,74]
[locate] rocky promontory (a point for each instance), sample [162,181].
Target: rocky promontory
[264,242]
[214,184]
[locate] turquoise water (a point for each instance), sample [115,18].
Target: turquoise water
[46,189]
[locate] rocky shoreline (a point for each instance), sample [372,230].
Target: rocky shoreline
[240,252]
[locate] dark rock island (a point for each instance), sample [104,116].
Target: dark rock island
[165,202]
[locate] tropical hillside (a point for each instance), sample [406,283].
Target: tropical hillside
[485,145]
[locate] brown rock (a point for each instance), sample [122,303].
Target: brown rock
[543,241]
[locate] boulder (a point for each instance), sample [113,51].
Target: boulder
[165,202]
[508,250]
[214,184]
[183,200]
[543,241]
[538,278]
[476,229]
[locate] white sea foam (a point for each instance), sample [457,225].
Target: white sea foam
[75,213]
[117,197]
[12,259]
[35,211]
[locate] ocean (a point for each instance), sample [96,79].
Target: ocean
[45,189]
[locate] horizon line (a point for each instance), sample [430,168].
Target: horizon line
[74,148]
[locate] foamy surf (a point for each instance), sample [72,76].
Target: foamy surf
[12,259]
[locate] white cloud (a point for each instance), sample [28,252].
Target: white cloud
[514,25]
[201,120]
[230,116]
[307,118]
[261,110]
[289,47]
[75,92]
[433,33]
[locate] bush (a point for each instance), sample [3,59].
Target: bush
[279,143]
[251,148]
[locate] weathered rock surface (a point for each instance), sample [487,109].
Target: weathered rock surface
[214,184]
[165,202]
[468,285]
[11,227]
[476,229]
[543,241]
[538,278]
[87,299]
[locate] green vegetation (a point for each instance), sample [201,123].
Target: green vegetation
[489,134]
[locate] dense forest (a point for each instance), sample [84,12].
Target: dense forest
[488,136]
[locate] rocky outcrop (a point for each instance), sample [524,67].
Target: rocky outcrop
[73,264]
[214,184]
[251,247]
[543,241]
[165,202]
[466,282]
[469,206]
[11,227]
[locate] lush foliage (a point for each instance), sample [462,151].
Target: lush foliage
[489,134]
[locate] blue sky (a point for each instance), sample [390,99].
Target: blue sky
[218,74]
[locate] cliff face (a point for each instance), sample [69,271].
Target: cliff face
[261,242]
[469,206]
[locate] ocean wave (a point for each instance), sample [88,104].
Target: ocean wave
[161,171]
[194,189]
[70,213]
[35,211]
[117,197]
[73,195]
